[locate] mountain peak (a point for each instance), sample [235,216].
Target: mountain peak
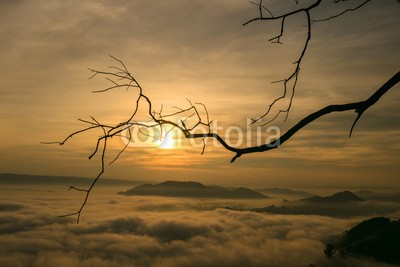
[192,189]
[180,184]
[339,197]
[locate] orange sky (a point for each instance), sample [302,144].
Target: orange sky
[198,50]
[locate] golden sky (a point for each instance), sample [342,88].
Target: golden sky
[199,50]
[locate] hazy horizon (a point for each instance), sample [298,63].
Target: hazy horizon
[64,180]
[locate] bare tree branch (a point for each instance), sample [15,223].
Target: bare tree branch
[120,77]
[111,131]
[358,107]
[293,77]
[341,13]
[87,191]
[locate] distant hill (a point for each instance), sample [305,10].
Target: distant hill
[192,189]
[283,191]
[10,178]
[378,238]
[340,197]
[340,205]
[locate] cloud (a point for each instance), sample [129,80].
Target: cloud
[10,207]
[13,223]
[347,210]
[117,231]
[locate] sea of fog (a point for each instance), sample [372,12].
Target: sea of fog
[118,230]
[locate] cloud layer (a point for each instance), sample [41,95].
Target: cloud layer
[115,232]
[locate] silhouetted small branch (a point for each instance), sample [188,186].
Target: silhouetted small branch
[121,78]
[293,76]
[341,13]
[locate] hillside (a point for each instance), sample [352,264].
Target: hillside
[378,238]
[340,197]
[283,191]
[192,189]
[341,205]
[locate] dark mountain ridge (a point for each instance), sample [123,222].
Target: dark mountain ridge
[283,191]
[192,189]
[341,205]
[340,197]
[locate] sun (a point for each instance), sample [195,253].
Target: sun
[167,142]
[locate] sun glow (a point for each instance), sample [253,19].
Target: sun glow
[167,142]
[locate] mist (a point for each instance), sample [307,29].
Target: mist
[117,230]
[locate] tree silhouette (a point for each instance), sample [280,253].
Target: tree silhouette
[120,77]
[377,238]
